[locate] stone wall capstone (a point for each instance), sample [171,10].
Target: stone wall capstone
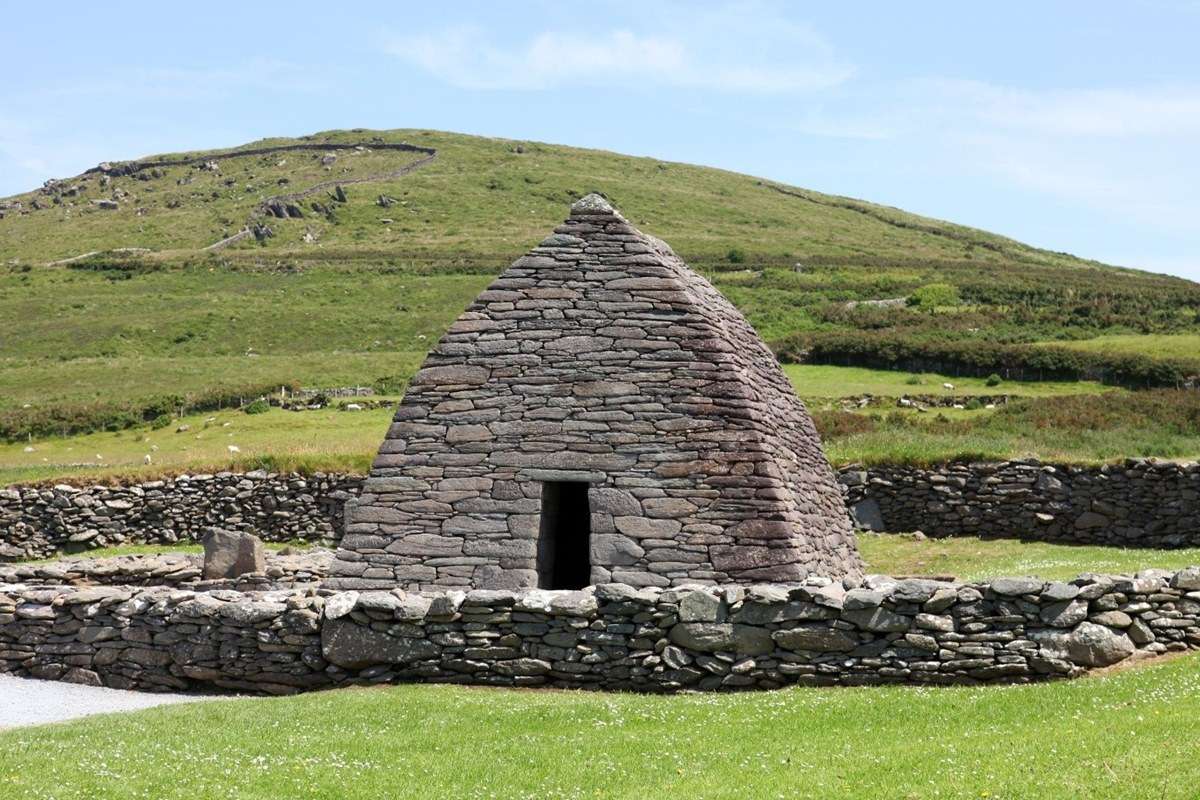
[1140,503]
[181,570]
[612,636]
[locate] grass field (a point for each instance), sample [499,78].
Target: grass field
[109,341]
[326,439]
[912,441]
[1078,426]
[68,335]
[1171,345]
[821,381]
[1129,734]
[969,559]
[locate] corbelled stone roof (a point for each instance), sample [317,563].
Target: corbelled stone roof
[599,357]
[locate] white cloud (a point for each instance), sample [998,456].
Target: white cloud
[727,53]
[1119,151]
[1108,112]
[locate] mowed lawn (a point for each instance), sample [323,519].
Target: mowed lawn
[968,558]
[1129,734]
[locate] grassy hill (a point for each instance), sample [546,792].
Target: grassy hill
[478,197]
[113,311]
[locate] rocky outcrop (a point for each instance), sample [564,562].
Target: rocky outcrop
[1140,503]
[608,637]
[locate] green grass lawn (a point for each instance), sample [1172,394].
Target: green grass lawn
[970,559]
[1130,734]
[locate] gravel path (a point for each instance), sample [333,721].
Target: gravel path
[24,701]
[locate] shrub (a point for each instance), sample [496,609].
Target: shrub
[735,256]
[390,384]
[933,295]
[979,358]
[160,422]
[993,380]
[840,424]
[913,380]
[974,404]
[259,406]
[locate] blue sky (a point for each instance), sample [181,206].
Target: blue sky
[1069,125]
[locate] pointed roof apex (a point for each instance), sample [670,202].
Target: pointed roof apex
[592,205]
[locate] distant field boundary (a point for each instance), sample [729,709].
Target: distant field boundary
[133,167]
[867,211]
[383,176]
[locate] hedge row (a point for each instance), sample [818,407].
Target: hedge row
[65,419]
[977,358]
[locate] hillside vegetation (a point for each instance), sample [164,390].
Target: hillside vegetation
[478,196]
[114,312]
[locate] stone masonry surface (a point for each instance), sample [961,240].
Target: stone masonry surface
[599,358]
[40,521]
[614,636]
[289,569]
[1157,505]
[1141,503]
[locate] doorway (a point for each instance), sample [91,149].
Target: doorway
[563,554]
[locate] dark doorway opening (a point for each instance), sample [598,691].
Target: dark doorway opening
[564,545]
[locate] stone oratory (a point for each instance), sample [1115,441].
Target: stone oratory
[599,414]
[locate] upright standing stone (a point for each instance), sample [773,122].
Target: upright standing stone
[228,554]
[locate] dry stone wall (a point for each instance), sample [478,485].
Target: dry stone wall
[181,570]
[39,521]
[1141,503]
[611,637]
